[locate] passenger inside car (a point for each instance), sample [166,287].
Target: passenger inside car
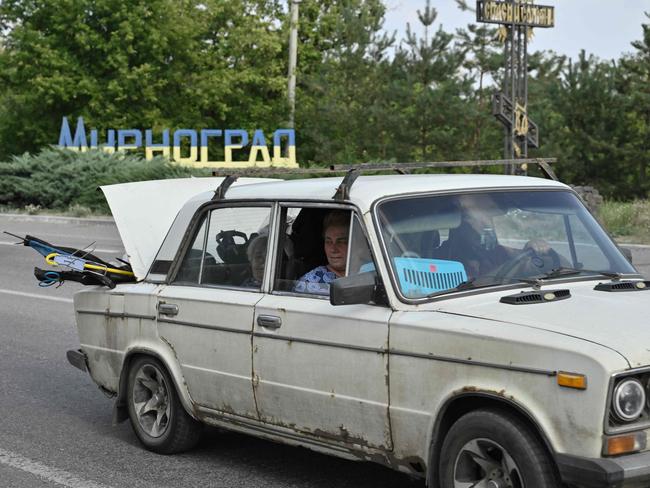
[336,228]
[256,252]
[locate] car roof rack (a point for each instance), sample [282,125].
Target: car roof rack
[343,191]
[354,170]
[220,193]
[543,163]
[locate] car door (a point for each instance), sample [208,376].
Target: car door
[322,370]
[206,313]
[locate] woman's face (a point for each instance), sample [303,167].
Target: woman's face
[336,248]
[258,257]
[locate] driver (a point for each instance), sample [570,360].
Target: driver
[336,226]
[474,242]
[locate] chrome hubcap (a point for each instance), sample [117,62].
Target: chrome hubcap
[151,400]
[483,463]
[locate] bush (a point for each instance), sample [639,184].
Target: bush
[627,219]
[32,209]
[77,210]
[59,179]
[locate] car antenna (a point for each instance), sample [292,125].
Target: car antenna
[220,192]
[343,191]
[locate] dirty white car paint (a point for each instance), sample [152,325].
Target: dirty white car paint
[386,381]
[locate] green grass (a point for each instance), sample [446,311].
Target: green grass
[628,222]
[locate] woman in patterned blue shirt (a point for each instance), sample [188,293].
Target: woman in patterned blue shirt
[336,227]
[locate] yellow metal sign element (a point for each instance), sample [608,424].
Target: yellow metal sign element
[521,120]
[502,34]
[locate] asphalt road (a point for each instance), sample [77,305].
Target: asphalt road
[55,425]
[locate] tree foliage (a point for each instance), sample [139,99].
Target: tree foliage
[138,64]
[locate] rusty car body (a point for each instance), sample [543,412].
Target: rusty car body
[533,371]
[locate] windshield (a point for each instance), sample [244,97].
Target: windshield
[438,244]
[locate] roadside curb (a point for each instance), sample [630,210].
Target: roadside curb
[59,219]
[633,246]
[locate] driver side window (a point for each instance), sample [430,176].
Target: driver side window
[229,249]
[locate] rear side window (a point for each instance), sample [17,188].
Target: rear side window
[229,249]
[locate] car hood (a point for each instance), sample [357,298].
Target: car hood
[619,321]
[145,210]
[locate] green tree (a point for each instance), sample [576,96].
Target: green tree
[593,132]
[433,93]
[635,85]
[483,63]
[544,90]
[137,64]
[341,92]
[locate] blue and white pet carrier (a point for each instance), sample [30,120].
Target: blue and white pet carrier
[419,277]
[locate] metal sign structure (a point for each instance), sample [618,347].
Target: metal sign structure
[515,13]
[510,106]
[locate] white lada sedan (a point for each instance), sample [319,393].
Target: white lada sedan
[476,331]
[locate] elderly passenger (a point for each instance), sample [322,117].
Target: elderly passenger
[336,227]
[256,252]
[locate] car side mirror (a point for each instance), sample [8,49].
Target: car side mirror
[627,252]
[363,288]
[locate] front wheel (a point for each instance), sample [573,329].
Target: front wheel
[492,449]
[157,416]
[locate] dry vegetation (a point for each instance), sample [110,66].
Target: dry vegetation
[628,222]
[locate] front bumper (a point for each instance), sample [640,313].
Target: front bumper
[630,471]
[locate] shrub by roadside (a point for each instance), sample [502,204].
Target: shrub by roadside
[627,221]
[64,180]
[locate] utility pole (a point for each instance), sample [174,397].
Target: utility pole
[293,56]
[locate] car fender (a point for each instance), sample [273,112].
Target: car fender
[164,352]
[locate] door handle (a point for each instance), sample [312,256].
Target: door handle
[269,321]
[167,308]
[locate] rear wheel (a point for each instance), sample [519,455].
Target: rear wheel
[157,416]
[492,449]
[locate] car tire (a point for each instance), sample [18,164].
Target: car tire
[496,449]
[157,416]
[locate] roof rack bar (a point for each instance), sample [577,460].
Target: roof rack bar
[399,167]
[343,191]
[547,170]
[220,193]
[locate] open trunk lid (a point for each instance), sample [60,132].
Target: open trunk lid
[144,211]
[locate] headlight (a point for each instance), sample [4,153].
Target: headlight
[629,400]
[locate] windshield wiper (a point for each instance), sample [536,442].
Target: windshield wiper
[465,285]
[567,271]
